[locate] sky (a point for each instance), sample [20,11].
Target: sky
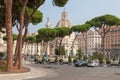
[79,11]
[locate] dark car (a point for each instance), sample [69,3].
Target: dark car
[80,63]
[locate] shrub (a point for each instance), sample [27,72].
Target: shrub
[2,54]
[85,58]
[108,61]
[60,60]
[113,58]
[48,60]
[43,59]
[69,59]
[35,59]
[3,67]
[56,59]
[119,61]
[74,60]
[100,58]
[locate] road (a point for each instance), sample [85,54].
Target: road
[69,72]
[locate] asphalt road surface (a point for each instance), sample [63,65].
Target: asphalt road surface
[69,72]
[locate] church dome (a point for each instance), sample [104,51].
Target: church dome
[64,22]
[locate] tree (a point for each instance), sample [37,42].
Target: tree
[61,33]
[38,40]
[8,25]
[85,28]
[77,29]
[95,55]
[2,16]
[46,35]
[102,25]
[79,54]
[30,40]
[15,36]
[34,5]
[21,18]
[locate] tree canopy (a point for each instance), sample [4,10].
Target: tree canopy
[46,34]
[107,20]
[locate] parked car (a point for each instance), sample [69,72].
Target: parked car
[92,64]
[114,63]
[80,63]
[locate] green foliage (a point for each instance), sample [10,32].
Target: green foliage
[46,34]
[60,51]
[15,36]
[63,31]
[95,55]
[3,67]
[57,51]
[60,60]
[5,38]
[119,61]
[100,58]
[84,58]
[108,61]
[108,20]
[37,17]
[79,55]
[30,39]
[114,58]
[48,60]
[85,27]
[77,28]
[43,59]
[35,59]
[81,28]
[2,54]
[59,3]
[35,3]
[56,59]
[74,60]
[69,59]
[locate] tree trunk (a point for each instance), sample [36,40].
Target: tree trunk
[37,48]
[74,41]
[8,24]
[31,48]
[46,48]
[60,46]
[16,53]
[20,33]
[85,39]
[103,46]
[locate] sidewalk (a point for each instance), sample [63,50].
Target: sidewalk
[34,73]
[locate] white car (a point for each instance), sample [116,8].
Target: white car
[92,64]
